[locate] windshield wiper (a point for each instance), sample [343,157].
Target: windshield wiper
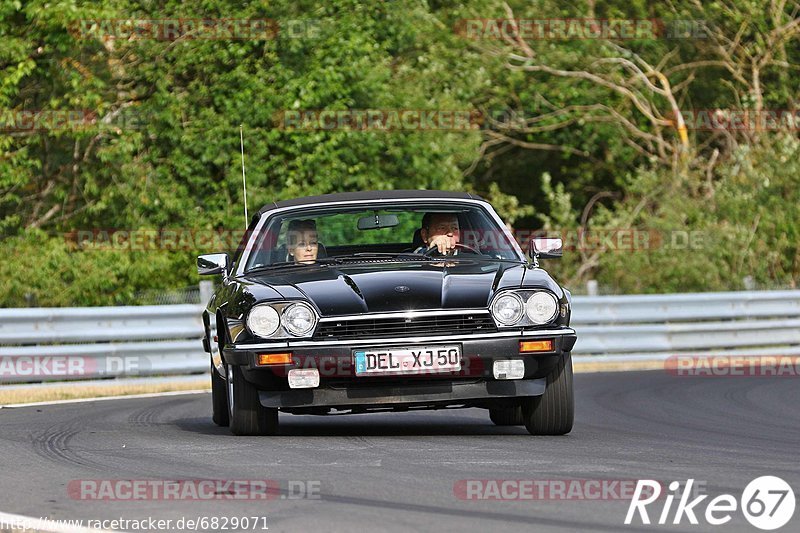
[288,264]
[282,264]
[413,256]
[382,255]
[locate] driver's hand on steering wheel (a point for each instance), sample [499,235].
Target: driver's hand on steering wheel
[443,244]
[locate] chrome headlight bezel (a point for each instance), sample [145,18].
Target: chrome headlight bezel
[536,298]
[509,297]
[252,314]
[286,321]
[283,331]
[524,296]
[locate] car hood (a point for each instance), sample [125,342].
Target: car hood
[391,286]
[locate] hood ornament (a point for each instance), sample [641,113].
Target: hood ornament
[402,288]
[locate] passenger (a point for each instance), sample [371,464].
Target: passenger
[302,245]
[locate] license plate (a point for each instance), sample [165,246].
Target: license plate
[408,360]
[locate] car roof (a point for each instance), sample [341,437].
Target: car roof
[369,195]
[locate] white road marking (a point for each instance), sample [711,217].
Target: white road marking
[104,398]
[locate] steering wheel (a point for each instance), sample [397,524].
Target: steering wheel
[458,246]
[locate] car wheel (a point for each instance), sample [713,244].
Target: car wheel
[553,412]
[247,415]
[219,398]
[506,416]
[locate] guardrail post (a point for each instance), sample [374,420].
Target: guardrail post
[591,287]
[206,290]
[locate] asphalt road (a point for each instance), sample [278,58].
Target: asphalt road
[406,471]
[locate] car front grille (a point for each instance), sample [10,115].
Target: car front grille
[405,326]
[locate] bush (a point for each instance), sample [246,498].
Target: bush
[48,271]
[700,234]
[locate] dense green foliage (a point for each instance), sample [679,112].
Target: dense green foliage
[558,150]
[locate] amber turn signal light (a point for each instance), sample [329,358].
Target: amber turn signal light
[536,346]
[274,358]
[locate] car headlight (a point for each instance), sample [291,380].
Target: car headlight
[541,307]
[263,320]
[299,319]
[507,309]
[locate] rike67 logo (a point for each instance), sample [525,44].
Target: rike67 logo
[767,502]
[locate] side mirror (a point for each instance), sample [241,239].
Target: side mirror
[210,264]
[546,248]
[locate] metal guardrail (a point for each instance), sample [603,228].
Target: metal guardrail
[52,344]
[49,344]
[659,326]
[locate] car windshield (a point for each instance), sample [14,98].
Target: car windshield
[330,234]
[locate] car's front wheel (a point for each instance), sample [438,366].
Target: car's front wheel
[247,415]
[553,412]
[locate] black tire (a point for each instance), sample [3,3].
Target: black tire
[219,398]
[247,415]
[506,416]
[553,412]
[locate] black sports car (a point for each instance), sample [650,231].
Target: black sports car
[387,301]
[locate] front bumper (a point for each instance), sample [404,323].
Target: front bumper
[427,394]
[341,387]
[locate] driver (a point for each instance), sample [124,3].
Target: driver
[440,230]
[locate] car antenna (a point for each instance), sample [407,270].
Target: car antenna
[244,177]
